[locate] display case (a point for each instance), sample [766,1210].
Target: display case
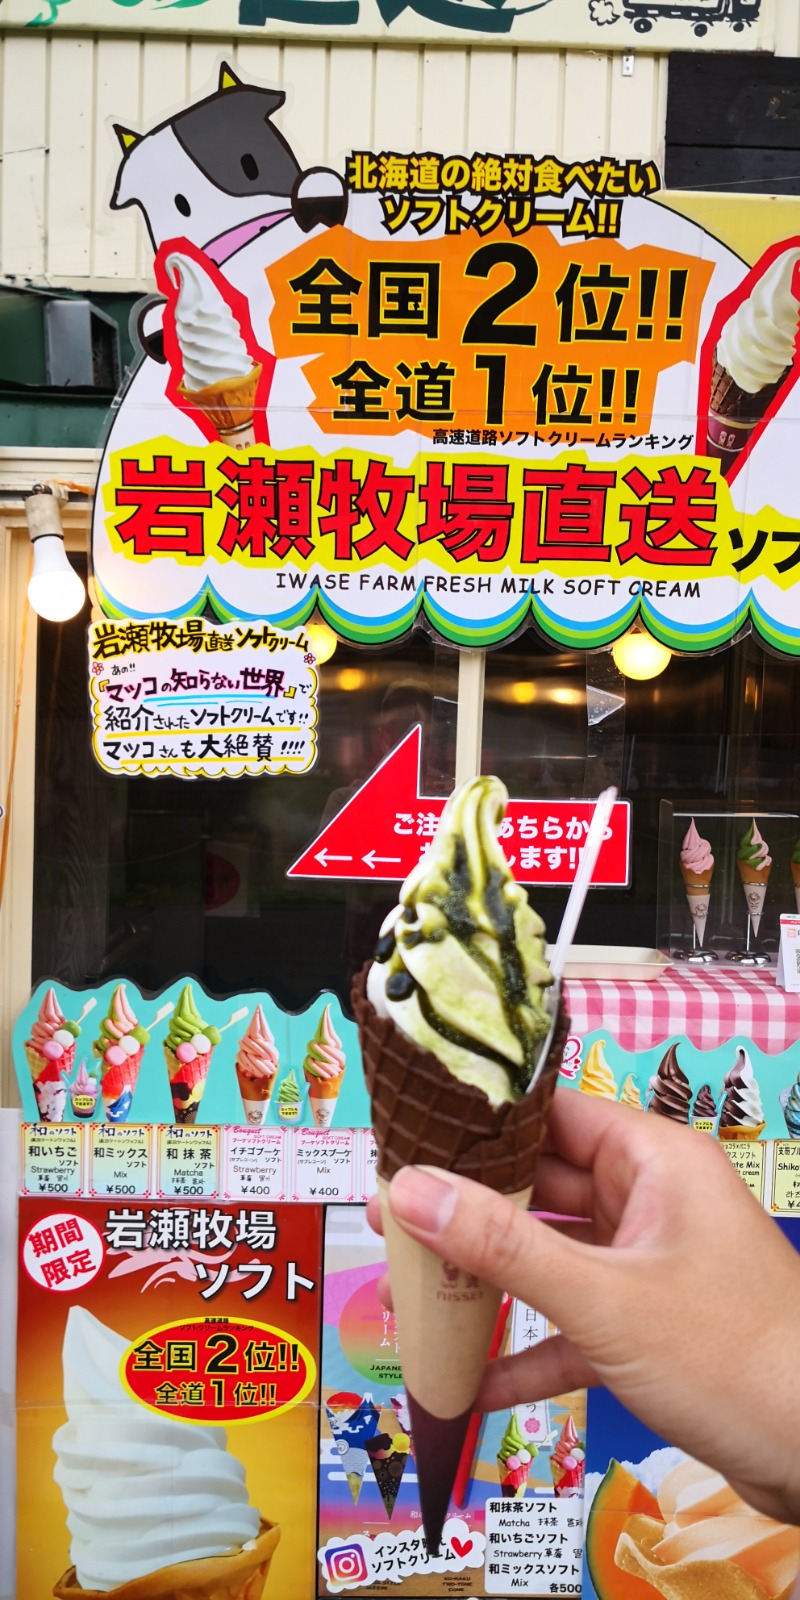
[724,877]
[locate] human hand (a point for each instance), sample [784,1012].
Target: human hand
[679,1293]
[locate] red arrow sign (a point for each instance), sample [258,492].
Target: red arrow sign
[384,828]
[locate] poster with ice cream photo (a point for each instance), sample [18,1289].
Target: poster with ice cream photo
[519,1469]
[167,1362]
[112,1054]
[351,393]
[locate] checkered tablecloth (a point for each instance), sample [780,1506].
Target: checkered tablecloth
[707,1008]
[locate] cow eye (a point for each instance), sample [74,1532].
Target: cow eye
[249,165]
[182,205]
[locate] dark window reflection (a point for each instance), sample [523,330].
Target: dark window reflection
[719,733]
[150,878]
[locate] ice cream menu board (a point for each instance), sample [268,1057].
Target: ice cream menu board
[110,1055]
[483,389]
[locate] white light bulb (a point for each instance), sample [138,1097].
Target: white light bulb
[55,591]
[639,656]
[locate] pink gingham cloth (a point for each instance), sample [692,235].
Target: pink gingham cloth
[707,1008]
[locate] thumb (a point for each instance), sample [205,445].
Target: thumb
[488,1234]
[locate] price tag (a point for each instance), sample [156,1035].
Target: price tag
[119,1160]
[534,1546]
[52,1158]
[323,1165]
[188,1163]
[369,1163]
[748,1157]
[786,1177]
[254,1163]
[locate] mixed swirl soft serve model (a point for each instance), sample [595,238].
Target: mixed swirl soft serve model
[460,965]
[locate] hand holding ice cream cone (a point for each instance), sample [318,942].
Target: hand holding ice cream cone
[460,1065]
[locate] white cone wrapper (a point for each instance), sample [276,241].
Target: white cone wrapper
[755,894]
[698,905]
[322,1111]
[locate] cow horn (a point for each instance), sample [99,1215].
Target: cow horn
[228,78]
[126,138]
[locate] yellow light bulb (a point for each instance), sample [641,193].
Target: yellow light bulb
[638,655]
[322,639]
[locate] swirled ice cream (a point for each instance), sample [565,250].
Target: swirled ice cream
[705,1106]
[630,1095]
[696,856]
[671,1094]
[142,1491]
[597,1077]
[460,967]
[324,1068]
[256,1067]
[710,1542]
[742,1110]
[211,345]
[757,343]
[514,1460]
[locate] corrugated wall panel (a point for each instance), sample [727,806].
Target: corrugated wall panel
[59,95]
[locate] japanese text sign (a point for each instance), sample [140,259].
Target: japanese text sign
[193,700]
[386,826]
[478,389]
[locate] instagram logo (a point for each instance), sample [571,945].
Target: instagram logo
[347,1565]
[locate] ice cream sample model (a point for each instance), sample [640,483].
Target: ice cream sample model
[460,1060]
[671,1094]
[568,1462]
[754,355]
[83,1091]
[353,1421]
[188,1048]
[155,1506]
[290,1098]
[597,1077]
[795,866]
[388,1457]
[119,1049]
[324,1070]
[790,1105]
[755,864]
[630,1095]
[704,1110]
[50,1053]
[218,374]
[702,1542]
[514,1461]
[697,869]
[256,1067]
[742,1114]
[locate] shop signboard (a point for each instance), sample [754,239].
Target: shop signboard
[479,391]
[550,24]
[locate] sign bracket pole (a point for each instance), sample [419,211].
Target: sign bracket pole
[469,715]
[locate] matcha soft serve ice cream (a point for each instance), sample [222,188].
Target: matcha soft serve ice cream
[460,965]
[461,1053]
[145,1492]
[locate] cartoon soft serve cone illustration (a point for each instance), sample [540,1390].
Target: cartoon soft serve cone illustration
[460,1059]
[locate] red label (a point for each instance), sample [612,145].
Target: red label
[386,827]
[219,1370]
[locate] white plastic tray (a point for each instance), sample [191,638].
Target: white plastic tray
[615,962]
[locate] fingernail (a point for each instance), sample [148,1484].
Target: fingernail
[422,1199]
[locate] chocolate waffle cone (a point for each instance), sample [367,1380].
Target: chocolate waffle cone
[734,414]
[445,1317]
[240,1576]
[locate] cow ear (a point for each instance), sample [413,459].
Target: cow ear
[228,78]
[126,137]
